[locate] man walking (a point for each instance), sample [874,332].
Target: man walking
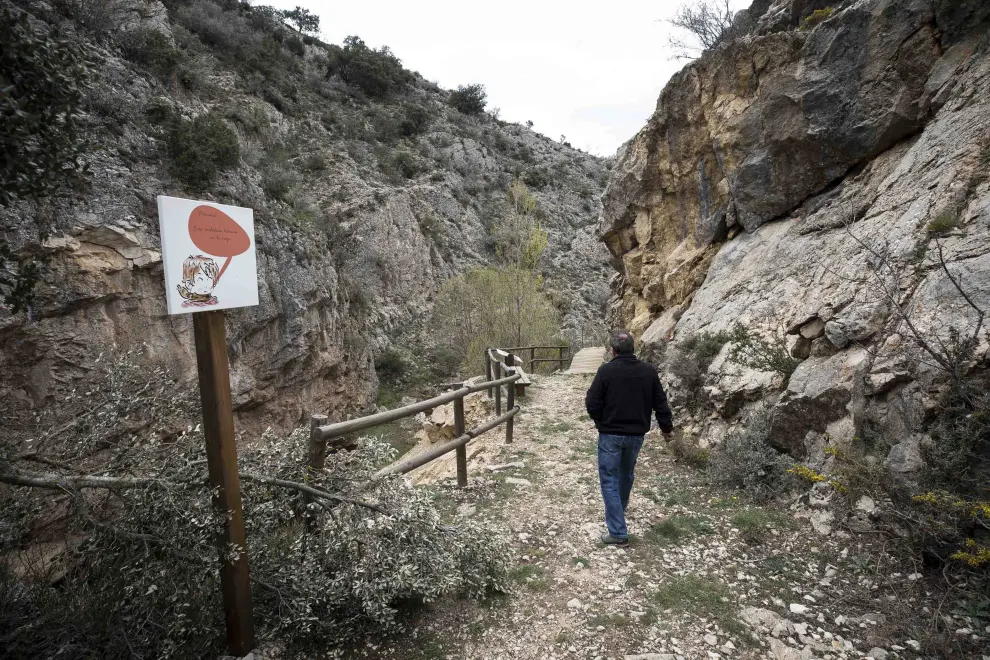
[623,394]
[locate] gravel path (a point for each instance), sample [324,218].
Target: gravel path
[705,576]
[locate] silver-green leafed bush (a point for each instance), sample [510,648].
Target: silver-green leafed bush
[746,461]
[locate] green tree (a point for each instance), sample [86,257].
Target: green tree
[519,246]
[378,73]
[469,99]
[42,79]
[489,307]
[304,20]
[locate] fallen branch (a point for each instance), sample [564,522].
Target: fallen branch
[309,490]
[74,482]
[70,482]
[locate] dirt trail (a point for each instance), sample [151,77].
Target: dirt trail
[704,577]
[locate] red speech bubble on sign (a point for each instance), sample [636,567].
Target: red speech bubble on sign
[214,232]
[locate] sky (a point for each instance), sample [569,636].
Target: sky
[590,71]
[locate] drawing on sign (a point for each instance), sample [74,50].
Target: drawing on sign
[209,257]
[200,275]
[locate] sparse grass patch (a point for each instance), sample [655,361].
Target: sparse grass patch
[674,497]
[676,529]
[696,594]
[554,426]
[611,620]
[581,560]
[702,596]
[531,576]
[755,524]
[724,502]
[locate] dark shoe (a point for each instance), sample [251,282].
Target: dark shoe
[608,539]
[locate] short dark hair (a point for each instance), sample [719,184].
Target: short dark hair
[622,342]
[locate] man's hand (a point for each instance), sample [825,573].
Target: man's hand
[667,437]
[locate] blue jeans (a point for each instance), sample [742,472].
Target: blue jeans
[616,461]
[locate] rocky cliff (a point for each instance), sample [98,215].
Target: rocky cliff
[803,180]
[366,199]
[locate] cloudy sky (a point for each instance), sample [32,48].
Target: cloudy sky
[591,71]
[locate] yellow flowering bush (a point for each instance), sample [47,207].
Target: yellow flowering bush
[975,554]
[806,473]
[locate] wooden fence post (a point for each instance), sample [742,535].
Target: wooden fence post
[462,450]
[562,357]
[488,369]
[497,368]
[532,360]
[221,458]
[316,458]
[510,401]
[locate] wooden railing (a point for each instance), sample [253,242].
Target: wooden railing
[563,355]
[323,436]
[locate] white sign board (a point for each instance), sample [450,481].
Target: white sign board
[208,253]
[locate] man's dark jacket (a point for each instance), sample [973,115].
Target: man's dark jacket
[622,396]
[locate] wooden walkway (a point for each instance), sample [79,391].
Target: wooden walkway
[587,361]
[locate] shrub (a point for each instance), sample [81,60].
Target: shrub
[399,164]
[252,118]
[706,346]
[960,431]
[160,113]
[415,120]
[430,225]
[391,365]
[19,276]
[943,223]
[100,17]
[295,46]
[747,462]
[44,78]
[202,148]
[816,17]
[127,595]
[277,182]
[377,73]
[151,49]
[758,352]
[687,451]
[315,163]
[468,99]
[536,178]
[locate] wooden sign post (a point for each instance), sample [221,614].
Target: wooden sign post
[221,456]
[193,234]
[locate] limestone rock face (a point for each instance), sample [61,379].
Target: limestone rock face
[787,181]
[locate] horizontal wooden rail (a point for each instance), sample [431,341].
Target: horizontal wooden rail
[501,368]
[447,447]
[528,348]
[362,423]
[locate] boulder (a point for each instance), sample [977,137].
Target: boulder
[817,395]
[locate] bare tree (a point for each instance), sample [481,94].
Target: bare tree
[707,23]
